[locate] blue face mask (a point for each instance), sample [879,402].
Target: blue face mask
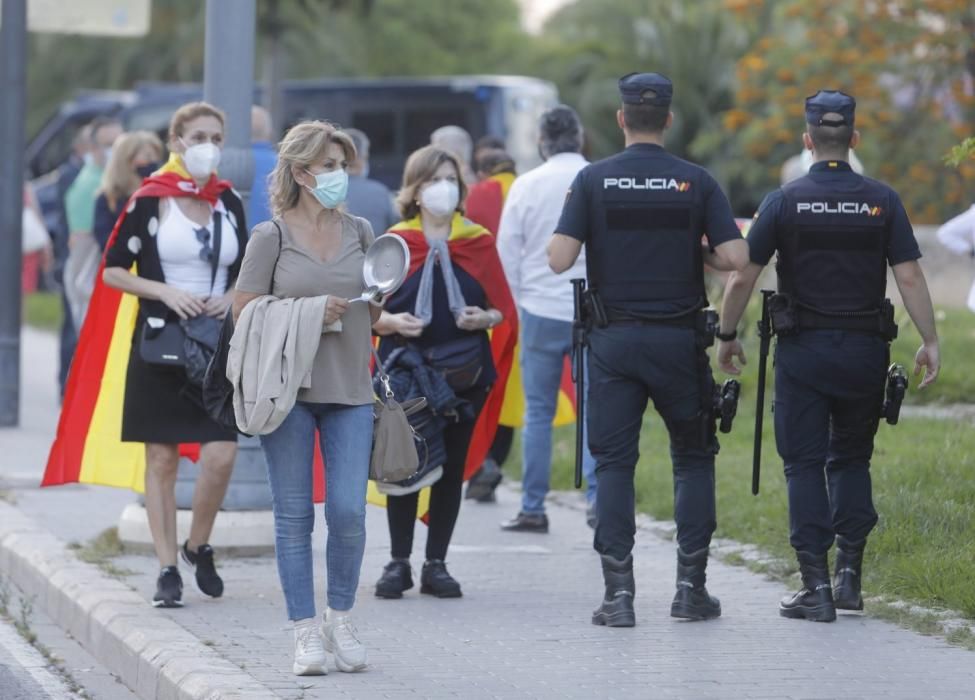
[330,188]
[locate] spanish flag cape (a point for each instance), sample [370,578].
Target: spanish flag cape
[88,447]
[486,200]
[472,248]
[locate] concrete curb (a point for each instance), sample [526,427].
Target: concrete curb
[153,655]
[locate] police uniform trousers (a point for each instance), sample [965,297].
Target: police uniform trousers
[629,364]
[829,388]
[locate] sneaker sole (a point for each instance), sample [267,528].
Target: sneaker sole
[530,530]
[685,613]
[167,603]
[310,670]
[615,620]
[205,592]
[389,595]
[426,590]
[819,613]
[342,665]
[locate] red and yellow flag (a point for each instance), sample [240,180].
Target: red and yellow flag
[88,447]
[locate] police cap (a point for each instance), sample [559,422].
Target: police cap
[646,89]
[840,106]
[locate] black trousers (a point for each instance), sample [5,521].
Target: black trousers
[629,365]
[829,388]
[445,494]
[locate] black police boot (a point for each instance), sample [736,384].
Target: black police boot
[397,577]
[846,580]
[617,607]
[814,601]
[692,601]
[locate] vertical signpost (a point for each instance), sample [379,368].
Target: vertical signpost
[13,76]
[97,17]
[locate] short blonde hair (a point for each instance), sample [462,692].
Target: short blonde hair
[120,179]
[303,146]
[191,111]
[420,168]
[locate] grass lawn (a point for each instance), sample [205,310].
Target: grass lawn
[923,549]
[43,310]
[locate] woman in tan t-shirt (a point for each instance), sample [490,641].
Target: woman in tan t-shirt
[313,248]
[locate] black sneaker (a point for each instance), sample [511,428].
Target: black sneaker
[434,580]
[484,481]
[591,515]
[397,577]
[207,578]
[169,589]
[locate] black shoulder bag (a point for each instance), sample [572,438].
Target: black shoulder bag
[218,392]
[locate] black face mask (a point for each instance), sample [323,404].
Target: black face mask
[147,170]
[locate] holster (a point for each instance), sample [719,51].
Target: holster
[788,316]
[595,310]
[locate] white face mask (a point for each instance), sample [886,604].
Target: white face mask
[201,159]
[440,198]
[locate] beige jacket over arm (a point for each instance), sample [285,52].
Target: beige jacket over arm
[271,356]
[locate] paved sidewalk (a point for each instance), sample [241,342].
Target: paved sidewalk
[522,630]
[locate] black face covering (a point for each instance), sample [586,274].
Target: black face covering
[147,170]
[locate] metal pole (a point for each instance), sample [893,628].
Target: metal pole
[228,83]
[13,76]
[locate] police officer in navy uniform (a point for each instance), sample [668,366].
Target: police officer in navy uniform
[835,233]
[641,215]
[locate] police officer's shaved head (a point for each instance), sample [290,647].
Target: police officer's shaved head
[560,131]
[646,101]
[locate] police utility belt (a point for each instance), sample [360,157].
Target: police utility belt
[703,321]
[788,316]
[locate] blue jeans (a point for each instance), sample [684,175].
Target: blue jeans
[346,442]
[545,343]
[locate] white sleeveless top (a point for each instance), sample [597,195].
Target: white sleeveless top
[179,249]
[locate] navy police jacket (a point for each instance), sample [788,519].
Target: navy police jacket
[641,215]
[835,232]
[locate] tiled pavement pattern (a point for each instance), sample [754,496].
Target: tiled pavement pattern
[522,629]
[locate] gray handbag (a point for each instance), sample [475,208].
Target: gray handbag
[394,450]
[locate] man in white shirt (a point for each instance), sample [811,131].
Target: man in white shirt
[530,216]
[958,236]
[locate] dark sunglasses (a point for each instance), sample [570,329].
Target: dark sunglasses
[203,238]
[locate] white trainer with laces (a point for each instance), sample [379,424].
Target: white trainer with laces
[342,640]
[310,659]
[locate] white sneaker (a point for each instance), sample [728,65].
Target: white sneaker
[310,659]
[342,640]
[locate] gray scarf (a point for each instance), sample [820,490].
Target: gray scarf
[424,295]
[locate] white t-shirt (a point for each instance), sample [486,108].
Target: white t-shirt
[958,236]
[531,213]
[180,249]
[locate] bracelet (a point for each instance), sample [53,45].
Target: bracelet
[726,337]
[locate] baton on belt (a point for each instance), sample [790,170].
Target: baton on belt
[765,338]
[579,369]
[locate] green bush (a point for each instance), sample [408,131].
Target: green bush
[43,310]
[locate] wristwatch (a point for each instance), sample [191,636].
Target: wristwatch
[726,337]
